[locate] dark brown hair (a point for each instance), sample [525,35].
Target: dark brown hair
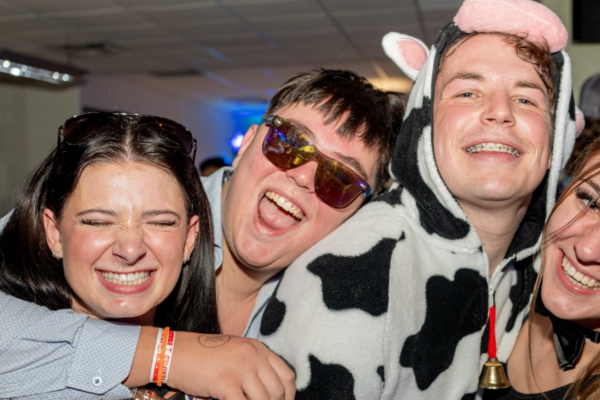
[29,272]
[585,387]
[373,115]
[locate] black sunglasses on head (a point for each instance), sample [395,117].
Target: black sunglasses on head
[77,128]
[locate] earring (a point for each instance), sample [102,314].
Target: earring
[56,255]
[186,259]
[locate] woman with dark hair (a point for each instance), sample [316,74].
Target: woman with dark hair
[557,353]
[115,224]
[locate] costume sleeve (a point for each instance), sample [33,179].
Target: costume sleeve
[61,354]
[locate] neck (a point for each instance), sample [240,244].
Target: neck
[535,352]
[237,289]
[496,227]
[237,281]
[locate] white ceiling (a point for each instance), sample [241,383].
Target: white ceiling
[242,48]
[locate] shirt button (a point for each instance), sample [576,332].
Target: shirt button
[97,381]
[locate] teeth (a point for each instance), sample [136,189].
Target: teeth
[135,278]
[577,277]
[285,204]
[497,147]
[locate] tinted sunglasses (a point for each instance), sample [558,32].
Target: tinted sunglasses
[335,183]
[76,129]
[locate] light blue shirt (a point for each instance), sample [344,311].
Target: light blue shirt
[213,186]
[65,355]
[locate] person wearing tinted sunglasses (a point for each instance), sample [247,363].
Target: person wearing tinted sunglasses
[321,151]
[114,224]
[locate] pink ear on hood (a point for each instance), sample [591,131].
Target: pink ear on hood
[407,52]
[524,18]
[579,121]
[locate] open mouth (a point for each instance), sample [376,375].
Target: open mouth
[493,147]
[135,278]
[278,213]
[285,205]
[577,278]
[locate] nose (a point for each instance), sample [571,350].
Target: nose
[304,175]
[498,110]
[129,246]
[587,246]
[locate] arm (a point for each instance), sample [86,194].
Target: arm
[60,353]
[218,366]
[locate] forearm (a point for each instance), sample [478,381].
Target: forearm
[142,360]
[60,353]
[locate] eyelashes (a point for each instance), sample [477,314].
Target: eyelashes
[92,222]
[588,198]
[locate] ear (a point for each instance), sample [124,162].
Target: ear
[191,236]
[52,232]
[248,137]
[407,52]
[579,121]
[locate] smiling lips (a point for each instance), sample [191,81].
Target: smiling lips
[285,205]
[495,147]
[577,278]
[136,278]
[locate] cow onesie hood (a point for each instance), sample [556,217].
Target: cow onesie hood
[394,303]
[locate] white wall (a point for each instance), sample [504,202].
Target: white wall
[29,121]
[211,124]
[585,57]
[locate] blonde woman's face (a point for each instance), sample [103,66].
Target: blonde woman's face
[571,285]
[123,236]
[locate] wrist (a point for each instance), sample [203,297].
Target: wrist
[142,360]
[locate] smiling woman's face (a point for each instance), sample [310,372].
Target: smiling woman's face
[123,236]
[571,285]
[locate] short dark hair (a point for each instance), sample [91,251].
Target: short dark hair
[371,114]
[29,272]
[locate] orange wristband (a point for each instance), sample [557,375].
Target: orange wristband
[161,362]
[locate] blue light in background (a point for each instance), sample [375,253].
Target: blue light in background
[245,114]
[236,141]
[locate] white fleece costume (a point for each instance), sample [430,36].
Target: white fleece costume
[394,303]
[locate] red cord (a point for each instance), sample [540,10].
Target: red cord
[492,340]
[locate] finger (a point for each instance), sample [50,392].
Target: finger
[286,375]
[232,392]
[272,382]
[254,389]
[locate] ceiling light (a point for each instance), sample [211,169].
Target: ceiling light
[31,69]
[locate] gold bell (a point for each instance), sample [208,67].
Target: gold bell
[493,376]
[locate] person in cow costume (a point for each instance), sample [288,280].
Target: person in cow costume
[395,303]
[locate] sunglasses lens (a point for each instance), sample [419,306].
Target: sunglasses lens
[169,127]
[287,148]
[77,128]
[336,185]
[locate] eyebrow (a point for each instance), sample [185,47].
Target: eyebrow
[464,76]
[532,85]
[154,213]
[593,185]
[97,210]
[353,162]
